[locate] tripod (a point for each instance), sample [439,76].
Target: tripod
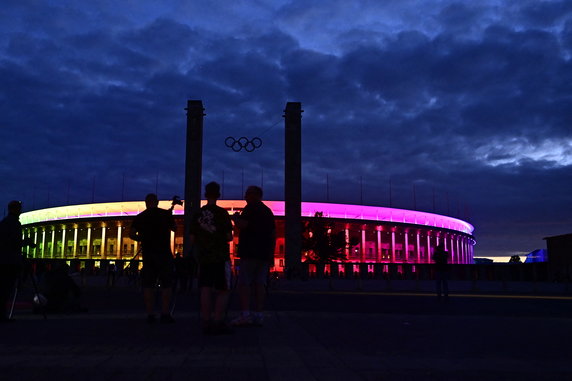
[41,300]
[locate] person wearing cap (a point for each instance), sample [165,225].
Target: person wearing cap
[11,260]
[153,228]
[210,233]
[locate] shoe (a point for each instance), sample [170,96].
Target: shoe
[151,319]
[220,328]
[167,319]
[242,321]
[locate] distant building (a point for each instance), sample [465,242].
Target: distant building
[482,261]
[560,256]
[540,255]
[384,235]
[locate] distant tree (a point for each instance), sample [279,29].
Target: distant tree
[515,259]
[321,243]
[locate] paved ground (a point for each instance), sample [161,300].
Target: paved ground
[358,331]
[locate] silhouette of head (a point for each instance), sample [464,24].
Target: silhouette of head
[212,190]
[15,207]
[151,200]
[253,194]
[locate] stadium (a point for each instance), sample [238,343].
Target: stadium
[99,232]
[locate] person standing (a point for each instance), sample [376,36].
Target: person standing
[210,232]
[256,242]
[441,257]
[11,259]
[153,228]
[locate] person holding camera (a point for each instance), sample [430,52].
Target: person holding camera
[153,228]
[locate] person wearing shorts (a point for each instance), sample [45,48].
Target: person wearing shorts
[256,242]
[210,232]
[153,228]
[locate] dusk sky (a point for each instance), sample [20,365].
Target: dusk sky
[460,108]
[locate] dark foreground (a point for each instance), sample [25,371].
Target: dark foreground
[310,333]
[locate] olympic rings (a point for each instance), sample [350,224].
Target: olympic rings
[243,142]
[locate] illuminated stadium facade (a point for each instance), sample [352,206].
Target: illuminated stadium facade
[384,235]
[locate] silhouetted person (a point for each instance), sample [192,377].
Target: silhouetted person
[153,228]
[11,260]
[256,241]
[211,231]
[441,257]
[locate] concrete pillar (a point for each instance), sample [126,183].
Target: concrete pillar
[53,242]
[36,243]
[75,242]
[293,185]
[428,259]
[378,247]
[64,243]
[392,259]
[193,165]
[418,246]
[406,242]
[119,243]
[362,245]
[103,243]
[347,238]
[89,249]
[43,243]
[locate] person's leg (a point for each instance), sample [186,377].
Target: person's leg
[222,286]
[148,280]
[221,303]
[260,296]
[149,298]
[446,285]
[438,282]
[166,296]
[206,292]
[244,291]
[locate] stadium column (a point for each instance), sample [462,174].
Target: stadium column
[406,244]
[428,257]
[43,243]
[418,246]
[36,243]
[53,242]
[392,245]
[118,250]
[193,165]
[362,248]
[347,238]
[458,251]
[63,241]
[378,247]
[453,251]
[88,249]
[293,186]
[103,239]
[75,229]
